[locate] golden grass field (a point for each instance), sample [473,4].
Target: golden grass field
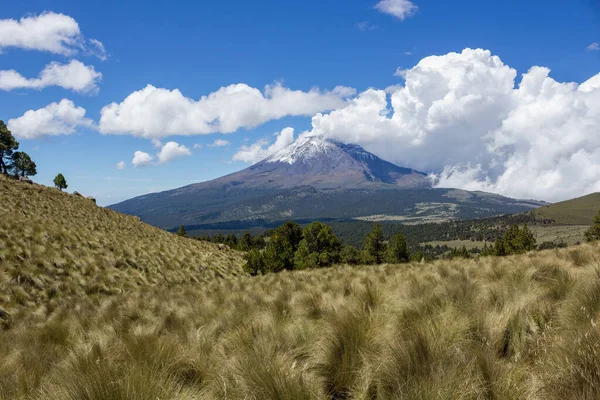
[519,327]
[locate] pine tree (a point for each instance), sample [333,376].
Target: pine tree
[499,248]
[22,165]
[418,256]
[527,240]
[60,182]
[246,242]
[255,263]
[375,246]
[486,250]
[350,255]
[397,250]
[593,233]
[304,257]
[181,232]
[318,248]
[460,253]
[279,253]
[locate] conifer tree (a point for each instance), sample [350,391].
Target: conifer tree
[60,182]
[22,165]
[181,231]
[397,250]
[375,247]
[593,233]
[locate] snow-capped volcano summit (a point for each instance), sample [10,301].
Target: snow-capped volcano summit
[328,164]
[303,150]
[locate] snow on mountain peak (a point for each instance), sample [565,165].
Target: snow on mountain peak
[303,149]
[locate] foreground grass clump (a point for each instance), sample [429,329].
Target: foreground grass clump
[518,327]
[54,244]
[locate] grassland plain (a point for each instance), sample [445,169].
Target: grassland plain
[519,327]
[56,245]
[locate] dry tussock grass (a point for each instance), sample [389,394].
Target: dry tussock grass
[522,327]
[54,245]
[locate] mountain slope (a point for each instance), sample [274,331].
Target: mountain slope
[315,178]
[579,211]
[321,164]
[54,243]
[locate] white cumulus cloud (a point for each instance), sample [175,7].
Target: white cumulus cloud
[62,118]
[400,9]
[141,159]
[155,112]
[171,151]
[74,76]
[466,117]
[120,165]
[49,32]
[262,149]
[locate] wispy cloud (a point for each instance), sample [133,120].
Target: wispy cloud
[400,9]
[366,26]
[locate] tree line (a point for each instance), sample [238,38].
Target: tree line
[291,247]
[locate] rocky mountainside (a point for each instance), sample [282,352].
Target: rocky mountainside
[316,178]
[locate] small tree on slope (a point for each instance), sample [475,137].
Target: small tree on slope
[181,231]
[60,182]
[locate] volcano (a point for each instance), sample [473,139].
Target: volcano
[315,179]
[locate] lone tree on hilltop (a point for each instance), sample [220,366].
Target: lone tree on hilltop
[593,233]
[22,165]
[181,231]
[60,182]
[8,145]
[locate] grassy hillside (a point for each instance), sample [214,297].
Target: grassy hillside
[579,211]
[95,305]
[54,244]
[522,327]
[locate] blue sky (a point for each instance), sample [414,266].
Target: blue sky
[199,47]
